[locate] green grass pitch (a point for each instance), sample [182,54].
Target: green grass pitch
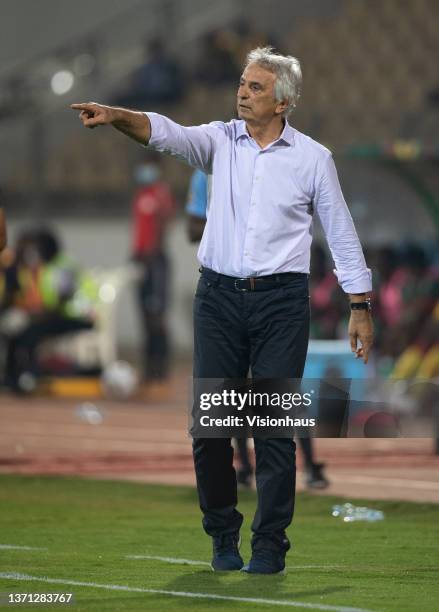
[89,528]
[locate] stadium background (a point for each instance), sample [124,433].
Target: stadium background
[370,93]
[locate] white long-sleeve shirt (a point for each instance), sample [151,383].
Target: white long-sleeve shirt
[262,201]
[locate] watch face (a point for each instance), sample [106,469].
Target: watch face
[361,306]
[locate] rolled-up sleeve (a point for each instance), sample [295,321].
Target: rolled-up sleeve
[350,267]
[194,145]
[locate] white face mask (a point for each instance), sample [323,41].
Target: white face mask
[146,174]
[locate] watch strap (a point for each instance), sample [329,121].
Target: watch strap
[361,305]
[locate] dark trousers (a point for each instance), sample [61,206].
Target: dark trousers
[153,300]
[306,446]
[267,331]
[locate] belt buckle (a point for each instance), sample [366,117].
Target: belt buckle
[238,288]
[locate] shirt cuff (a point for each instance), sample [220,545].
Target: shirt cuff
[154,120]
[350,282]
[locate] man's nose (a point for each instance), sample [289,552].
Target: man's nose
[242,92]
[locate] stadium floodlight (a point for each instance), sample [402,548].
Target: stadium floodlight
[62,82]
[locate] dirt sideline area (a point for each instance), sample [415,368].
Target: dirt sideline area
[146,440]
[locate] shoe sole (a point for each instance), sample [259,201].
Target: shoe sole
[282,572]
[225,570]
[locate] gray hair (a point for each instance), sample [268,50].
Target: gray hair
[288,74]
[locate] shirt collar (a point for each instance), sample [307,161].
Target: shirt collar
[286,136]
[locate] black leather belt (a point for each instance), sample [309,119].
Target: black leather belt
[252,283]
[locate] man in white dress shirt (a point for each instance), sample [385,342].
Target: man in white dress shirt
[251,306]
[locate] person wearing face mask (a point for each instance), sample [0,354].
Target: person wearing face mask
[153,207]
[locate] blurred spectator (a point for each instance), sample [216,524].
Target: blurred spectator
[44,295]
[224,50]
[388,302]
[17,264]
[327,301]
[421,358]
[406,294]
[153,208]
[387,297]
[247,38]
[217,64]
[420,288]
[196,205]
[158,81]
[405,298]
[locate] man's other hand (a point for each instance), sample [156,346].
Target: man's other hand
[361,330]
[93,114]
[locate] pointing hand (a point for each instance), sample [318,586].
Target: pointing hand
[93,114]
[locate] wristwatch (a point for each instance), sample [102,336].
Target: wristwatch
[366,305]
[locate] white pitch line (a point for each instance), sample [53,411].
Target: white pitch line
[127,589]
[320,567]
[168,560]
[13,547]
[177,561]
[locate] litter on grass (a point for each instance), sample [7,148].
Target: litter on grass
[350,513]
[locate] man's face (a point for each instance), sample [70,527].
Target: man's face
[255,98]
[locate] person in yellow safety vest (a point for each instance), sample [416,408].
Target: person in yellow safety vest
[67,289]
[57,296]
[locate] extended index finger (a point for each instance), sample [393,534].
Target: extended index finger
[83,106]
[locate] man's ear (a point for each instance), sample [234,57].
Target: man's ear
[281,107]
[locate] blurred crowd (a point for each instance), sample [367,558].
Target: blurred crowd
[406,276]
[43,294]
[42,287]
[405,299]
[224,50]
[162,78]
[405,304]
